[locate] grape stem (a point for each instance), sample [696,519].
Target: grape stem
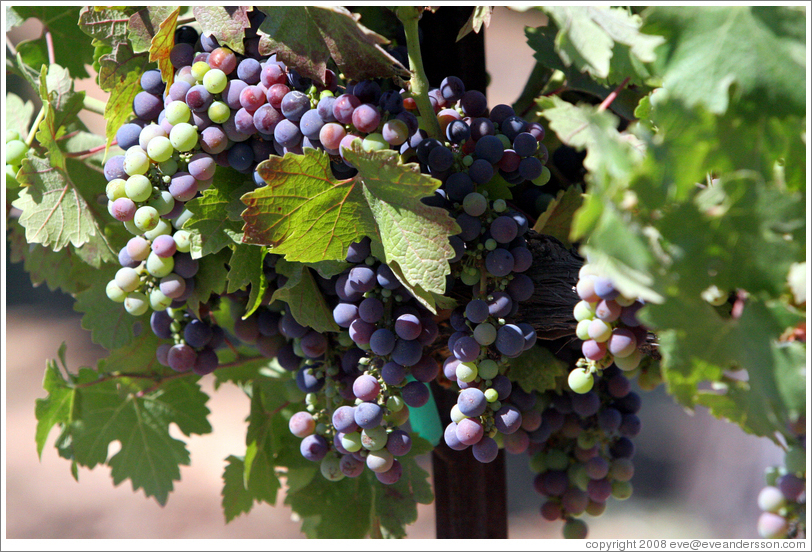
[94,106]
[612,95]
[90,151]
[33,132]
[419,83]
[49,42]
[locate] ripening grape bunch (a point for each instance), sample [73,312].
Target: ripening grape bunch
[783,501]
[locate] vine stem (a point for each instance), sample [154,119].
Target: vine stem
[94,106]
[419,83]
[90,151]
[612,95]
[31,133]
[49,42]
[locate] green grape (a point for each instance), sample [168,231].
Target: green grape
[397,418]
[138,188]
[183,136]
[488,369]
[577,474]
[330,468]
[160,266]
[624,301]
[456,414]
[127,279]
[621,490]
[176,314]
[116,189]
[580,380]
[11,177]
[491,395]
[537,464]
[15,151]
[475,204]
[467,372]
[158,301]
[146,218]
[160,149]
[374,438]
[584,311]
[162,228]
[630,362]
[485,334]
[115,293]
[178,112]
[199,70]
[499,205]
[557,460]
[491,244]
[470,278]
[182,218]
[770,499]
[505,141]
[136,303]
[395,403]
[131,227]
[351,441]
[582,329]
[183,240]
[136,161]
[163,202]
[219,112]
[374,142]
[543,178]
[14,135]
[215,81]
[168,167]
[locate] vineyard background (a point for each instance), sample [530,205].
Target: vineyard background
[696,477]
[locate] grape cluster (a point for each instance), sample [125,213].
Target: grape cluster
[16,149]
[608,326]
[783,500]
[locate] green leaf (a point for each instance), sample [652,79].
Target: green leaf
[161,46]
[215,222]
[136,357]
[149,456]
[306,37]
[227,24]
[308,216]
[18,114]
[237,499]
[72,50]
[556,220]
[210,279]
[246,269]
[537,369]
[721,45]
[120,75]
[480,16]
[145,25]
[324,505]
[57,407]
[304,297]
[108,25]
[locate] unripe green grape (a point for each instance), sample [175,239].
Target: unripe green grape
[395,403]
[160,266]
[584,310]
[15,152]
[374,142]
[146,218]
[374,438]
[599,330]
[136,161]
[456,414]
[771,499]
[575,528]
[127,279]
[330,468]
[397,418]
[183,239]
[160,149]
[185,215]
[136,303]
[491,244]
[467,161]
[380,461]
[163,227]
[543,178]
[131,227]
[488,369]
[466,372]
[168,167]
[115,293]
[499,205]
[580,381]
[475,204]
[582,329]
[178,112]
[183,137]
[505,141]
[470,278]
[11,177]
[138,188]
[215,81]
[199,70]
[158,301]
[491,395]
[624,301]
[219,112]
[163,202]
[621,490]
[116,189]
[629,363]
[12,135]
[485,334]
[175,314]
[351,441]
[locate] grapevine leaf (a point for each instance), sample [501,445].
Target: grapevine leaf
[149,456]
[479,17]
[556,220]
[306,37]
[161,45]
[18,114]
[145,25]
[227,24]
[259,476]
[308,216]
[107,25]
[215,222]
[323,506]
[120,75]
[211,277]
[136,357]
[723,44]
[537,369]
[395,505]
[237,499]
[497,188]
[71,48]
[246,268]
[328,269]
[110,325]
[304,297]
[56,408]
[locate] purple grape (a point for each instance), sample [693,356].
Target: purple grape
[325,109]
[490,149]
[393,373]
[471,227]
[399,443]
[485,450]
[181,55]
[622,448]
[307,381]
[160,323]
[507,419]
[452,89]
[233,91]
[147,106]
[609,420]
[459,185]
[510,340]
[183,186]
[466,348]
[114,168]
[241,155]
[502,386]
[314,447]
[371,310]
[499,262]
[407,353]
[249,70]
[426,369]
[599,490]
[408,327]
[127,136]
[530,168]
[368,415]
[382,342]
[314,344]
[501,112]
[206,362]
[287,358]
[344,314]
[287,133]
[290,328]
[361,332]
[362,279]
[630,425]
[586,404]
[472,402]
[415,394]
[181,357]
[198,98]
[451,439]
